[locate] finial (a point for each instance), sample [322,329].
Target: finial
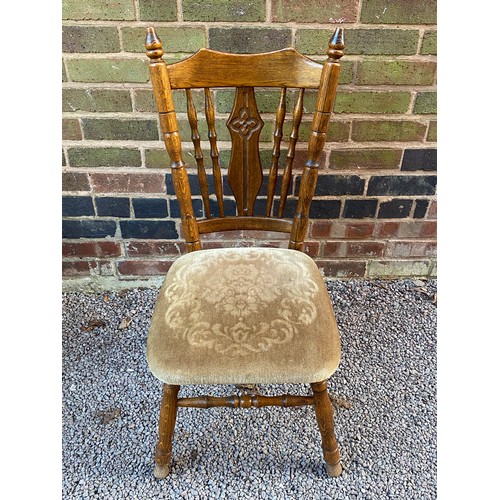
[153,44]
[336,44]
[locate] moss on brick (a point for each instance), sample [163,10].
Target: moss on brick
[398,268]
[365,158]
[116,129]
[429,43]
[108,70]
[224,10]
[372,102]
[175,39]
[90,39]
[152,10]
[103,100]
[425,103]
[249,40]
[378,130]
[432,132]
[71,130]
[104,157]
[407,12]
[396,72]
[314,11]
[117,10]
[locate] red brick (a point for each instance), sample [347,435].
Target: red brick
[311,248]
[386,229]
[429,229]
[333,249]
[342,268]
[92,249]
[432,210]
[128,183]
[359,230]
[144,267]
[364,249]
[321,228]
[145,248]
[78,268]
[417,229]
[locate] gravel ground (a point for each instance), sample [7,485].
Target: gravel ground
[385,424]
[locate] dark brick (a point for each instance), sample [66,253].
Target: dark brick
[145,248]
[359,209]
[175,210]
[149,229]
[342,268]
[249,40]
[419,159]
[91,249]
[335,185]
[324,209]
[96,100]
[74,206]
[396,208]
[149,208]
[396,72]
[372,102]
[420,209]
[75,181]
[392,185]
[229,207]
[387,130]
[73,229]
[78,268]
[90,39]
[224,10]
[152,10]
[365,158]
[314,11]
[112,207]
[144,267]
[425,103]
[104,157]
[113,129]
[403,12]
[194,184]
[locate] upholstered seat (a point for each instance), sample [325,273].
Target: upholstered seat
[243,315]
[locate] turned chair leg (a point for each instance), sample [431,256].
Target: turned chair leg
[324,416]
[166,424]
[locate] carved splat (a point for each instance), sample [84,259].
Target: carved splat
[245,169]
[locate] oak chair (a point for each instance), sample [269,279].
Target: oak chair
[256,315]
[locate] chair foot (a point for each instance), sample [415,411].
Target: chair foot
[161,471]
[334,470]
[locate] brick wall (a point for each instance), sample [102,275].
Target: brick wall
[376,211]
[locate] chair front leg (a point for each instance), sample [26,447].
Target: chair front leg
[166,425]
[324,416]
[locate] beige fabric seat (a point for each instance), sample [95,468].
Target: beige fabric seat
[243,315]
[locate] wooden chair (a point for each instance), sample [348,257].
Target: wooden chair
[244,315]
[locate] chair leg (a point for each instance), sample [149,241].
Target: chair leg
[324,416]
[166,424]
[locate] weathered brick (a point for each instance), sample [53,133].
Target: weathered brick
[96,100]
[386,229]
[75,206]
[361,41]
[118,129]
[249,40]
[64,75]
[342,268]
[152,10]
[396,72]
[321,228]
[417,229]
[359,230]
[364,249]
[110,206]
[75,181]
[104,157]
[224,10]
[110,70]
[127,183]
[365,158]
[429,43]
[401,185]
[333,249]
[398,269]
[419,159]
[385,130]
[175,39]
[152,248]
[395,208]
[87,228]
[407,12]
[90,39]
[149,208]
[149,229]
[314,11]
[420,209]
[116,10]
[91,249]
[78,268]
[359,209]
[372,102]
[398,249]
[144,267]
[71,130]
[425,103]
[432,212]
[432,132]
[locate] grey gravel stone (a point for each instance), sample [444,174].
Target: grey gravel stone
[387,436]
